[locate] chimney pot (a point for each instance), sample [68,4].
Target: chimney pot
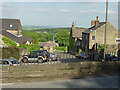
[97,18]
[92,23]
[73,25]
[96,22]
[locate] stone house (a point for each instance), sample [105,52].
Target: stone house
[95,35]
[49,44]
[77,36]
[12,29]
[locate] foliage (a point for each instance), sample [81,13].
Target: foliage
[62,38]
[23,46]
[63,48]
[71,46]
[48,30]
[8,52]
[31,47]
[44,34]
[42,37]
[101,48]
[36,39]
[9,42]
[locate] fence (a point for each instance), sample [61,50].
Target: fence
[38,57]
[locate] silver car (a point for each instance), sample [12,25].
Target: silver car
[9,62]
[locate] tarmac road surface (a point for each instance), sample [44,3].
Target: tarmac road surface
[94,82]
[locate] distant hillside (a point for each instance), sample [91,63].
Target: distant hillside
[44,34]
[48,30]
[45,26]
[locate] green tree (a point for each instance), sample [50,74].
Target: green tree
[36,39]
[71,46]
[62,38]
[9,42]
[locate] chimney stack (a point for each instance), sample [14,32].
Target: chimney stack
[96,21]
[92,23]
[73,25]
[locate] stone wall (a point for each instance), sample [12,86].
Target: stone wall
[72,70]
[22,52]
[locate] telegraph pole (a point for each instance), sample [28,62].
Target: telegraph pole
[105,28]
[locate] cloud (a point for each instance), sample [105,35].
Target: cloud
[98,11]
[6,4]
[92,5]
[112,12]
[44,10]
[64,10]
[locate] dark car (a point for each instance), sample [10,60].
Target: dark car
[108,57]
[38,56]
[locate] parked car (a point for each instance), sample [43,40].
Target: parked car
[53,56]
[36,56]
[9,62]
[116,59]
[108,57]
[83,55]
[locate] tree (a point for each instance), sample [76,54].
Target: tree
[36,39]
[62,38]
[71,46]
[9,42]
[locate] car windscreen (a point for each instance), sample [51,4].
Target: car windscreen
[15,62]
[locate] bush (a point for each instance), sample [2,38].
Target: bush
[9,42]
[61,48]
[31,47]
[8,52]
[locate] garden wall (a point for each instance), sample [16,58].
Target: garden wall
[72,70]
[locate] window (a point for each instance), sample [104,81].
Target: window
[93,37]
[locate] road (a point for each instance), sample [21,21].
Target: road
[94,82]
[64,58]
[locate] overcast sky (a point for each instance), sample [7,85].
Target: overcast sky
[60,13]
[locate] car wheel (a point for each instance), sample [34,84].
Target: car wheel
[40,60]
[25,60]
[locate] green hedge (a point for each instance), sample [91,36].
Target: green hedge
[9,42]
[8,52]
[31,47]
[61,48]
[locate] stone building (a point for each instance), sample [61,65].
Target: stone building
[96,34]
[12,29]
[77,36]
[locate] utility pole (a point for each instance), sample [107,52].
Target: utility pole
[105,28]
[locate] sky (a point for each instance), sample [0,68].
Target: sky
[60,14]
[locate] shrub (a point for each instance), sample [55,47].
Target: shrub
[8,52]
[9,42]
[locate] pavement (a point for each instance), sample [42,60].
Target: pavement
[92,82]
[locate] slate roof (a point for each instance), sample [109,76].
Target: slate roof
[7,22]
[77,32]
[94,27]
[5,25]
[48,44]
[21,40]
